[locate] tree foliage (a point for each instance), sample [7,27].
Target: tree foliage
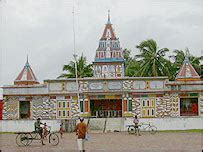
[83,69]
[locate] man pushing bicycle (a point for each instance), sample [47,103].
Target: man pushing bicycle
[39,129]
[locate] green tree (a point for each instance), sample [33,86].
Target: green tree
[83,69]
[131,65]
[151,59]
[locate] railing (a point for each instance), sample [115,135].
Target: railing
[107,113]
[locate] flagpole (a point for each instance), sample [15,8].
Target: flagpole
[75,58]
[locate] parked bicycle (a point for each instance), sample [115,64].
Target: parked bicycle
[143,127]
[26,138]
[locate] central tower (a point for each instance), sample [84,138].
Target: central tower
[109,61]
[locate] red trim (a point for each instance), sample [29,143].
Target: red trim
[1,109]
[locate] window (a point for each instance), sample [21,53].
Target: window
[59,113]
[152,112]
[129,105]
[81,106]
[148,103]
[189,106]
[63,108]
[148,107]
[143,103]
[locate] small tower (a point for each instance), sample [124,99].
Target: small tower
[109,61]
[26,76]
[187,71]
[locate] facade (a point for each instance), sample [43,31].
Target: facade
[108,94]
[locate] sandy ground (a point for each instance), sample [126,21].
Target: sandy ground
[110,142]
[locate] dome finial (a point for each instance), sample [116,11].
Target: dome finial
[27,62]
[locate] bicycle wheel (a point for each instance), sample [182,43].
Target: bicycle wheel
[21,139]
[29,138]
[54,139]
[131,129]
[153,129]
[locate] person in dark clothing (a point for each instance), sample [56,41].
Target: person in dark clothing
[39,129]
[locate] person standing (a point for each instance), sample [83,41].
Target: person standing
[61,130]
[81,130]
[136,122]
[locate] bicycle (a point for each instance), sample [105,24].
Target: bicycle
[142,127]
[26,138]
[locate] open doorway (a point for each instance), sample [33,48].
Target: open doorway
[103,108]
[24,109]
[189,106]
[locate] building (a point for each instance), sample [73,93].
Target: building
[108,93]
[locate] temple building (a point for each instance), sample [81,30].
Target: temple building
[109,61]
[108,93]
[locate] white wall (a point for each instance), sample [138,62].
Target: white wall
[171,123]
[160,123]
[26,125]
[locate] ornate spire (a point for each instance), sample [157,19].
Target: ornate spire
[108,30]
[187,71]
[109,19]
[26,76]
[187,54]
[27,62]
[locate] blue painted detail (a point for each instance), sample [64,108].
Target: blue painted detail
[109,60]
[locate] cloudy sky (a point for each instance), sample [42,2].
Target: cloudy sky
[43,30]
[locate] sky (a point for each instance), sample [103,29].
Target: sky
[43,30]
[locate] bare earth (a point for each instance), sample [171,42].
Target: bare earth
[110,142]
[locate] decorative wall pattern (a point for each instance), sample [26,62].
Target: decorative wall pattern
[167,106]
[115,85]
[75,110]
[83,85]
[163,107]
[156,84]
[43,108]
[174,100]
[127,84]
[10,110]
[136,106]
[55,86]
[71,86]
[139,85]
[96,86]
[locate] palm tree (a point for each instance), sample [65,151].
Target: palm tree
[152,61]
[83,69]
[179,58]
[131,64]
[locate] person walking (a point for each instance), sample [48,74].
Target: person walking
[81,131]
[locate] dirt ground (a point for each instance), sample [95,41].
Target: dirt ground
[114,142]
